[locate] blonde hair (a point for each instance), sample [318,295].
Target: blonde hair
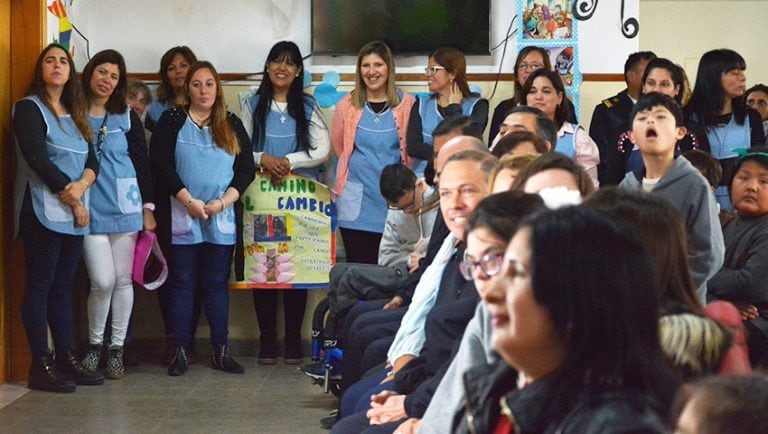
[510,162]
[379,48]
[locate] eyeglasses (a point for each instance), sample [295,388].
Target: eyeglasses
[403,208]
[529,66]
[490,264]
[429,70]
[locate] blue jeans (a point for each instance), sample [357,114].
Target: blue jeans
[206,266]
[51,264]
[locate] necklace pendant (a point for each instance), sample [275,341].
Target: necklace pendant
[376,118]
[282,118]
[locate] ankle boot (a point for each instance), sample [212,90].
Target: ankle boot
[223,361]
[91,360]
[69,366]
[115,367]
[179,363]
[43,376]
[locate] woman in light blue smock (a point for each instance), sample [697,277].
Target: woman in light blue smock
[201,158]
[121,205]
[449,96]
[288,135]
[368,133]
[544,90]
[718,113]
[56,165]
[170,92]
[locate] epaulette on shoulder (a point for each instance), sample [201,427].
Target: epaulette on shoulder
[610,102]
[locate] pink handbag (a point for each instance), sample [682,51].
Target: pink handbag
[149,267]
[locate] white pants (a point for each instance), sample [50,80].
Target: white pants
[109,259]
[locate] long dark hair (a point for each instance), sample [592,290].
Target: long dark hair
[71,96]
[675,72]
[165,91]
[565,109]
[602,305]
[708,98]
[663,231]
[283,50]
[116,102]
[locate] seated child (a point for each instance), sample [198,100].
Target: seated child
[406,234]
[657,125]
[743,279]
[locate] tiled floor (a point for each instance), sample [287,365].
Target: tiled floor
[266,399]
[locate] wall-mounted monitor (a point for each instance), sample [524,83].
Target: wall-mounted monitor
[341,27]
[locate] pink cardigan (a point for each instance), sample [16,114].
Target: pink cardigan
[344,126]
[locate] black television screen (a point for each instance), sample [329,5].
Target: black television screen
[407,26]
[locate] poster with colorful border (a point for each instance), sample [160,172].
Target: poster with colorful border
[288,235]
[549,24]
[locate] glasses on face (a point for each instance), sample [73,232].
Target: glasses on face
[406,207]
[429,70]
[529,66]
[490,264]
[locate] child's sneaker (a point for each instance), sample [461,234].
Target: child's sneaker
[115,369]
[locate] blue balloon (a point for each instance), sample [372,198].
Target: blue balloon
[475,88]
[327,95]
[307,78]
[332,78]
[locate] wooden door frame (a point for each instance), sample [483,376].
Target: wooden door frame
[22,39]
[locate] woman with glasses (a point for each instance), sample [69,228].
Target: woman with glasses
[368,133]
[449,96]
[528,60]
[489,230]
[579,338]
[442,306]
[288,134]
[544,90]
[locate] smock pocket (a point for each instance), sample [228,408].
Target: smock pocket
[54,209]
[225,221]
[349,203]
[181,221]
[128,195]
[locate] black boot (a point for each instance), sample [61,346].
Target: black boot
[43,376]
[179,363]
[70,367]
[222,360]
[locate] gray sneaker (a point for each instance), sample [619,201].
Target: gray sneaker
[115,368]
[91,360]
